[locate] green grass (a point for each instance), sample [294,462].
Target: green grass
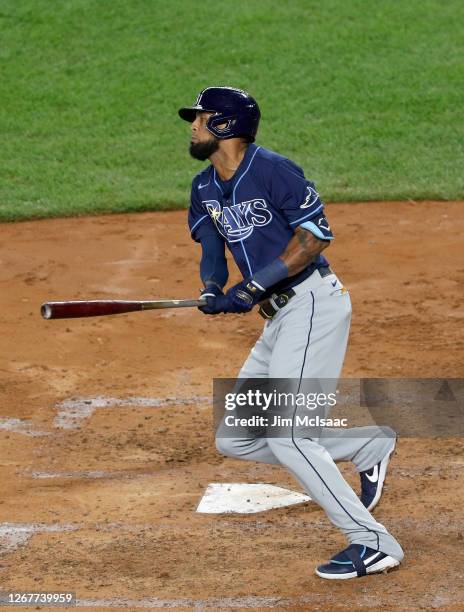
[366,95]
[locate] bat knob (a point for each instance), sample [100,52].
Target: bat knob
[46,311]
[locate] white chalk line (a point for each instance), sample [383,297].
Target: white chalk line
[217,603]
[72,411]
[22,426]
[90,474]
[14,535]
[326,599]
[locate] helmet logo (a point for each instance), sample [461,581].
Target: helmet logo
[225,126]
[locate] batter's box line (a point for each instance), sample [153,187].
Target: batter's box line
[72,411]
[90,474]
[253,602]
[16,535]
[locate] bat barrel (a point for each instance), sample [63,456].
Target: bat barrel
[98,308]
[91,308]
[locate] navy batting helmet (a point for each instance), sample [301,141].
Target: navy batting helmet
[233,107]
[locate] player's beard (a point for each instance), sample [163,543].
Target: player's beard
[203,150]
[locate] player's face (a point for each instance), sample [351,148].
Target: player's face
[202,143]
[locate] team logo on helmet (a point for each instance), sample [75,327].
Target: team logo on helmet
[236,223]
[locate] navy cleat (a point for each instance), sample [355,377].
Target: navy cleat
[356,560]
[372,482]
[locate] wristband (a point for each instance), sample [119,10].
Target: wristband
[270,274]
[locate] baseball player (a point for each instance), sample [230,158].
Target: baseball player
[260,205]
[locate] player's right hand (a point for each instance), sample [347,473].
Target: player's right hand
[211,293]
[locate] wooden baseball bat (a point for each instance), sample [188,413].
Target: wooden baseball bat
[99,308]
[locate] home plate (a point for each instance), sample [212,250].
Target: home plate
[244,498]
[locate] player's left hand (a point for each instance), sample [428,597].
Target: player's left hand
[244,296]
[211,293]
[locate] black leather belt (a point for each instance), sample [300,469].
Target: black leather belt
[270,307]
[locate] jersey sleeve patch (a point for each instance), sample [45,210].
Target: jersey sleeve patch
[319,226]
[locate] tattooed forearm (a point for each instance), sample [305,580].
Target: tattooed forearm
[302,249]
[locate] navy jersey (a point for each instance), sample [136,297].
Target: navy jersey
[257,211]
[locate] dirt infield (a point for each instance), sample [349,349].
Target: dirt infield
[105,427]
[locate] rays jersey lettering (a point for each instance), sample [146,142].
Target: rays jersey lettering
[237,222]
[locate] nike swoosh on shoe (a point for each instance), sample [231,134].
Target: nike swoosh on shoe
[375,474]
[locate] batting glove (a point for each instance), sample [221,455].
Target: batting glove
[244,296]
[211,293]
